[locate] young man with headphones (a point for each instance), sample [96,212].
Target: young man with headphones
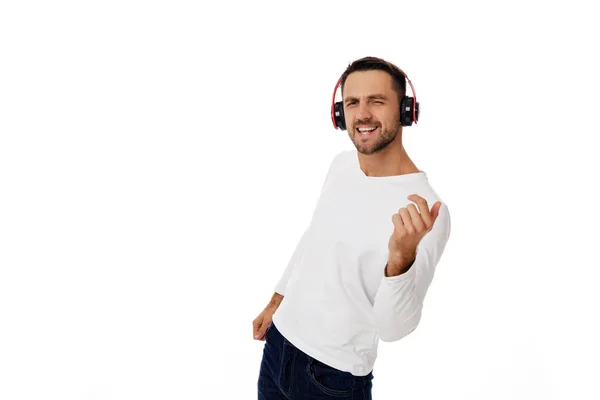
[362,268]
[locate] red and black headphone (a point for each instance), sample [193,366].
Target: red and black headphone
[409,108]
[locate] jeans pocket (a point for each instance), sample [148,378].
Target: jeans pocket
[329,380]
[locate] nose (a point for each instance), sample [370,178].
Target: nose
[363,112]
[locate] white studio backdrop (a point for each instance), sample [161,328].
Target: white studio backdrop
[160,160]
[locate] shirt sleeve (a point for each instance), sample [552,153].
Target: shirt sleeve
[399,300]
[297,254]
[283,280]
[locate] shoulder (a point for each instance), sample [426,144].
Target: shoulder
[343,156]
[338,165]
[343,159]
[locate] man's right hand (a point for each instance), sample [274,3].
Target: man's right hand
[262,322]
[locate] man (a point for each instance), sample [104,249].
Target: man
[362,268]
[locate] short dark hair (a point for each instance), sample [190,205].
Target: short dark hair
[374,63]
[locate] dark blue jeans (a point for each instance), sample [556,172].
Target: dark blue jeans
[286,373]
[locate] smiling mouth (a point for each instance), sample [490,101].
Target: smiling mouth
[366,130]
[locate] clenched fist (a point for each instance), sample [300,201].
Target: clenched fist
[410,225]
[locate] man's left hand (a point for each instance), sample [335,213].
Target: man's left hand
[410,225]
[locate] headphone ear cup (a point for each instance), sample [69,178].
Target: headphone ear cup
[417,111]
[406,111]
[338,112]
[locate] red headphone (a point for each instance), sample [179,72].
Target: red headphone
[409,108]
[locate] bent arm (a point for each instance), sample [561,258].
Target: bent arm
[399,300]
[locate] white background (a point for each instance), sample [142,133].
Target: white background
[159,161]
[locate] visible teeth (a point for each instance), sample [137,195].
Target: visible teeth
[367,129]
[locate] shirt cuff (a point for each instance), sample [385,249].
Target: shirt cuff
[410,274]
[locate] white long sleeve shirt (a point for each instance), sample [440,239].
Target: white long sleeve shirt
[337,300]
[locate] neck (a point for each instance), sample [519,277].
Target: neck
[389,161]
